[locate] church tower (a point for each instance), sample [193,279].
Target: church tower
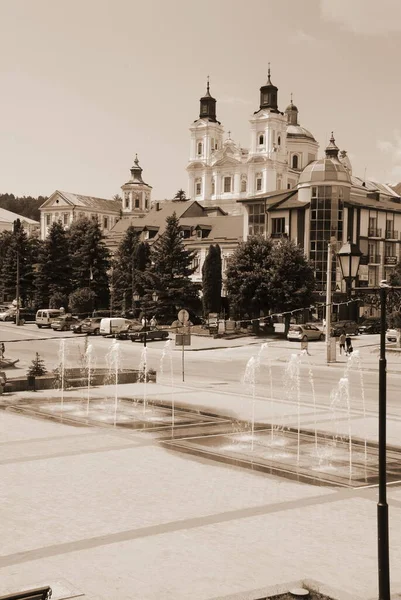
[268,153]
[206,139]
[136,193]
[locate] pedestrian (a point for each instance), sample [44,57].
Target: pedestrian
[342,339]
[348,343]
[153,321]
[143,321]
[2,350]
[304,346]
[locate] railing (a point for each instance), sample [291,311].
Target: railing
[390,260]
[374,232]
[279,235]
[391,234]
[374,258]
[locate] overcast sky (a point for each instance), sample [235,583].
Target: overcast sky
[85,84]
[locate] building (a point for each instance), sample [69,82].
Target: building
[8,217]
[67,207]
[222,172]
[200,227]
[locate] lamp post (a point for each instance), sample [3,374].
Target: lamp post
[349,256]
[382,506]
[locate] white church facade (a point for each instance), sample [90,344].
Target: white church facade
[222,172]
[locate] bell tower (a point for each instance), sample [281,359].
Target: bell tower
[136,193]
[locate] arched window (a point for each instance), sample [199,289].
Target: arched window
[199,148]
[295,161]
[279,141]
[261,139]
[213,187]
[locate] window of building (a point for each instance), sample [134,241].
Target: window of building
[94,217]
[146,201]
[295,161]
[204,109]
[198,188]
[279,141]
[389,226]
[227,185]
[105,223]
[261,139]
[196,264]
[213,186]
[200,148]
[243,185]
[258,184]
[137,204]
[199,233]
[278,226]
[257,219]
[65,219]
[48,219]
[126,200]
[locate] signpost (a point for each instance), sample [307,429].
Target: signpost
[184,338]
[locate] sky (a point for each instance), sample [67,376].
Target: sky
[87,84]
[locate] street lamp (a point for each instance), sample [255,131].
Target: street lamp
[349,256]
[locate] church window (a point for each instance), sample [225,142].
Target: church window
[295,161]
[48,219]
[146,201]
[265,99]
[258,184]
[204,109]
[212,144]
[126,200]
[279,141]
[216,146]
[243,185]
[213,186]
[198,188]
[199,148]
[136,201]
[105,223]
[261,139]
[227,185]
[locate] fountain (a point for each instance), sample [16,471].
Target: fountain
[168,353]
[61,371]
[113,362]
[89,360]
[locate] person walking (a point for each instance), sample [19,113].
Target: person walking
[341,340]
[349,348]
[153,321]
[304,346]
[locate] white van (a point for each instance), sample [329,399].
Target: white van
[46,316]
[110,326]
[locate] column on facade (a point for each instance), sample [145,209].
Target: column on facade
[237,183]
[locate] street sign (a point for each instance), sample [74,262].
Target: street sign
[183,316]
[182,339]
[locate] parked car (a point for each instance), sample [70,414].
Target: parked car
[350,327]
[369,325]
[25,314]
[91,326]
[8,314]
[132,327]
[64,323]
[305,333]
[152,333]
[46,316]
[392,335]
[112,326]
[77,327]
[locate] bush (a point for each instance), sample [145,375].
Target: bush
[37,367]
[82,301]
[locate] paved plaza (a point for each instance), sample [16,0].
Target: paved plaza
[109,513]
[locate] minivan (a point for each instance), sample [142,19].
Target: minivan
[46,316]
[110,326]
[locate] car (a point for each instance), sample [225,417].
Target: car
[91,326]
[64,323]
[350,327]
[124,334]
[370,325]
[8,315]
[392,335]
[25,314]
[148,333]
[305,333]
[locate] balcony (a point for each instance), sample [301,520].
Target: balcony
[391,234]
[390,260]
[279,235]
[374,259]
[374,232]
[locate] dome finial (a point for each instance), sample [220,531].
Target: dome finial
[268,73]
[208,85]
[291,99]
[332,150]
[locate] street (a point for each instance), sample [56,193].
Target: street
[208,364]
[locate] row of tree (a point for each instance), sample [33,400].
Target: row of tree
[27,206]
[74,269]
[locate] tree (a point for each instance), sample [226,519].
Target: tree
[292,279]
[37,367]
[16,244]
[248,277]
[180,196]
[131,260]
[212,280]
[53,267]
[90,260]
[169,274]
[82,301]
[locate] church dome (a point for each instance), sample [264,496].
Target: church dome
[325,169]
[298,131]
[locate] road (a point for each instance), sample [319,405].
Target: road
[221,368]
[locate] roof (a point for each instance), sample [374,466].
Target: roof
[396,188]
[9,217]
[324,169]
[379,204]
[373,186]
[90,202]
[298,131]
[274,197]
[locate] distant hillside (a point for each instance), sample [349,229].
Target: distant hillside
[27,206]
